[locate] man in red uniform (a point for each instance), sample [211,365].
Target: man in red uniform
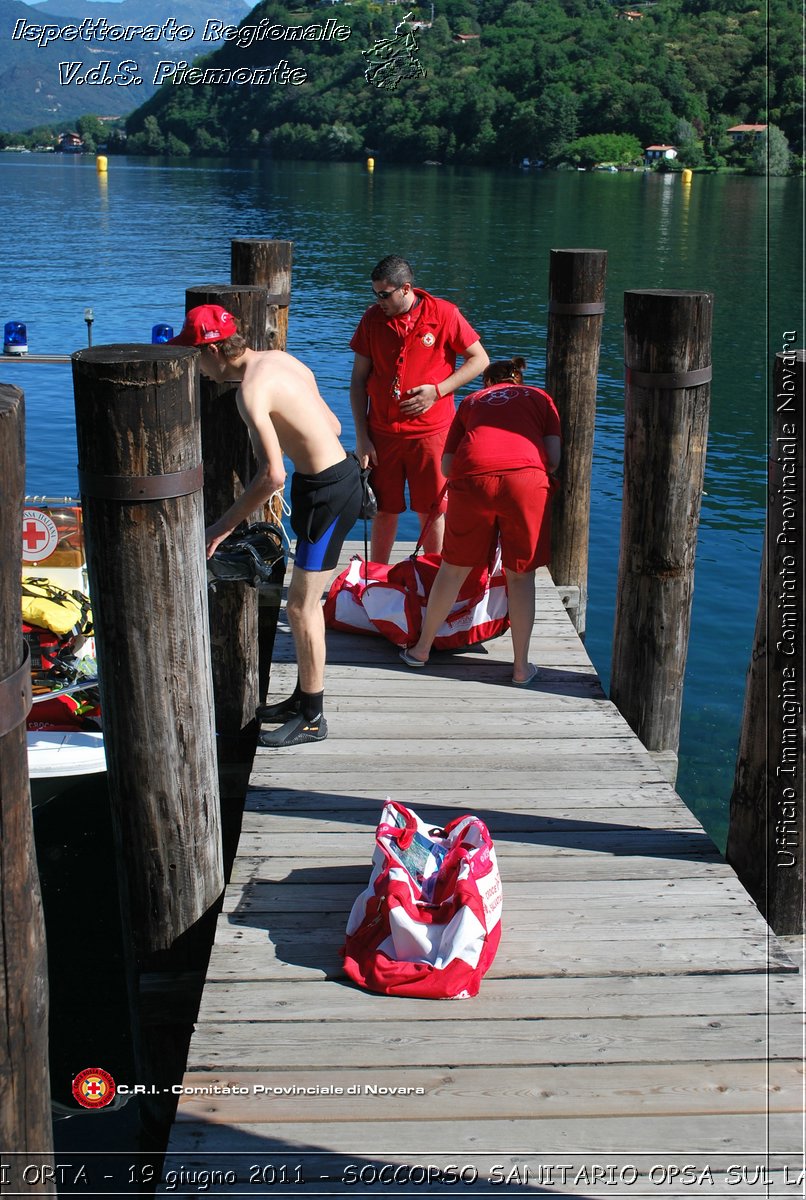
[401,393]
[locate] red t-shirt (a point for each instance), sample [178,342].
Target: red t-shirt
[417,347]
[501,428]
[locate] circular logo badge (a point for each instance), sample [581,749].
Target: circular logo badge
[501,396]
[94,1088]
[428,339]
[39,535]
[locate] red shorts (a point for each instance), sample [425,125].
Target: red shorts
[416,461]
[514,504]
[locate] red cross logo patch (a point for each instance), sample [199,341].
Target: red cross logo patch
[94,1088]
[39,535]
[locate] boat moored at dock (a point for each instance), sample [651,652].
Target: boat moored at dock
[65,741]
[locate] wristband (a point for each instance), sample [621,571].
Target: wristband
[438,392]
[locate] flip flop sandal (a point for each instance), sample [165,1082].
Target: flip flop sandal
[411,662]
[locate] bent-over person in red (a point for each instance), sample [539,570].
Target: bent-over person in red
[502,448]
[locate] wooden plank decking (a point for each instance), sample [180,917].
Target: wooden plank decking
[639,1018]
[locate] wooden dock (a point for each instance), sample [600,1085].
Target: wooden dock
[640,1031]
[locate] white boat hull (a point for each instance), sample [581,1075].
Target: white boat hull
[57,759]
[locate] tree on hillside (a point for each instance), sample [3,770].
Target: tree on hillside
[618,148]
[559,112]
[770,155]
[542,74]
[92,132]
[149,141]
[689,145]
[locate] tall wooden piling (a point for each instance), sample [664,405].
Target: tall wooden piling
[25,1119]
[767,828]
[667,351]
[266,262]
[576,312]
[229,464]
[140,477]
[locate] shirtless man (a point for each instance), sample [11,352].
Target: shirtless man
[279,401]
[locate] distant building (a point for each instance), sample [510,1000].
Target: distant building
[630,14]
[740,132]
[653,154]
[70,143]
[464,38]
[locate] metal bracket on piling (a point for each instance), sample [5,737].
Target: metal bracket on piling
[15,695]
[593,308]
[668,381]
[142,487]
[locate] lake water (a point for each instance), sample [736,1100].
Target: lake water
[129,243]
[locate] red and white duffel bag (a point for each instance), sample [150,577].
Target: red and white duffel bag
[429,922]
[390,601]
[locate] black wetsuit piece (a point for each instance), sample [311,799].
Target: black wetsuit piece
[324,508]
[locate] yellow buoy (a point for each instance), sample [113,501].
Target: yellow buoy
[687,174]
[370,164]
[100,164]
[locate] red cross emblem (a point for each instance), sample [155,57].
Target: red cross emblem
[94,1088]
[40,536]
[33,535]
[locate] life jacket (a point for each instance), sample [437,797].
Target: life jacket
[47,606]
[55,624]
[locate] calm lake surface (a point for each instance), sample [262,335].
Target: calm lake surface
[128,244]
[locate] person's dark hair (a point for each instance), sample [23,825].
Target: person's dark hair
[508,370]
[395,269]
[233,346]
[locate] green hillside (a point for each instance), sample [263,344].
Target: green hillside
[490,81]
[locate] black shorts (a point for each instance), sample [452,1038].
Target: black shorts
[324,508]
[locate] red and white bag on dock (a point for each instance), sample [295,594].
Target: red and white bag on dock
[376,598]
[428,923]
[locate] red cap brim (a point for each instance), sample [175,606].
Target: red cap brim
[185,338]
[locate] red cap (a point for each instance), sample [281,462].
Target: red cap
[205,324]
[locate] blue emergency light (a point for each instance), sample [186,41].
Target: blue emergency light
[161,333]
[15,338]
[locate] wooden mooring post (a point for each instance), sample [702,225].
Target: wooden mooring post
[26,1138]
[576,312]
[229,464]
[266,262]
[667,351]
[140,478]
[767,831]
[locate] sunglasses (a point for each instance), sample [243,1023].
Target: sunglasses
[386,295]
